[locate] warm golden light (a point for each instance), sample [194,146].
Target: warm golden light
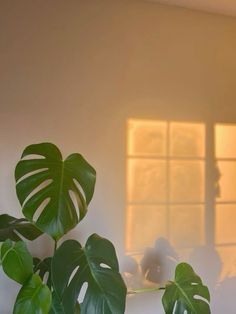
[145,222]
[182,193]
[227,190]
[225,203]
[187,139]
[165,183]
[146,138]
[186,181]
[225,223]
[146,180]
[225,139]
[187,225]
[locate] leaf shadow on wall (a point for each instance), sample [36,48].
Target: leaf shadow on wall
[158,263]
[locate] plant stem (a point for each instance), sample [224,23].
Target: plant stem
[55,247]
[145,290]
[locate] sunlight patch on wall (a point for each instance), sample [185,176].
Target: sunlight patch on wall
[225,139]
[225,207]
[225,202]
[165,183]
[147,138]
[225,223]
[145,222]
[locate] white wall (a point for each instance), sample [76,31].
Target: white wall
[73,72]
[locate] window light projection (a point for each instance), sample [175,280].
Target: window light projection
[181,187]
[165,183]
[225,139]
[225,202]
[147,138]
[147,180]
[186,181]
[187,140]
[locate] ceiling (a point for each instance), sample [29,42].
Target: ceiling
[227,7]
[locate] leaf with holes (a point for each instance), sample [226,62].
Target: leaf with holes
[34,297]
[50,190]
[186,293]
[16,261]
[16,229]
[43,268]
[96,266]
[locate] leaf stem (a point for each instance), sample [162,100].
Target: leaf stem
[55,246]
[144,290]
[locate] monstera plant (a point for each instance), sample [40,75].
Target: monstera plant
[54,195]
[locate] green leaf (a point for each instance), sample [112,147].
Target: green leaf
[44,186]
[33,298]
[96,264]
[16,229]
[57,306]
[43,268]
[16,261]
[186,293]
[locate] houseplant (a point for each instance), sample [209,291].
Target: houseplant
[54,196]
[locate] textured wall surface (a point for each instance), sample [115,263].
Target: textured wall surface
[74,72]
